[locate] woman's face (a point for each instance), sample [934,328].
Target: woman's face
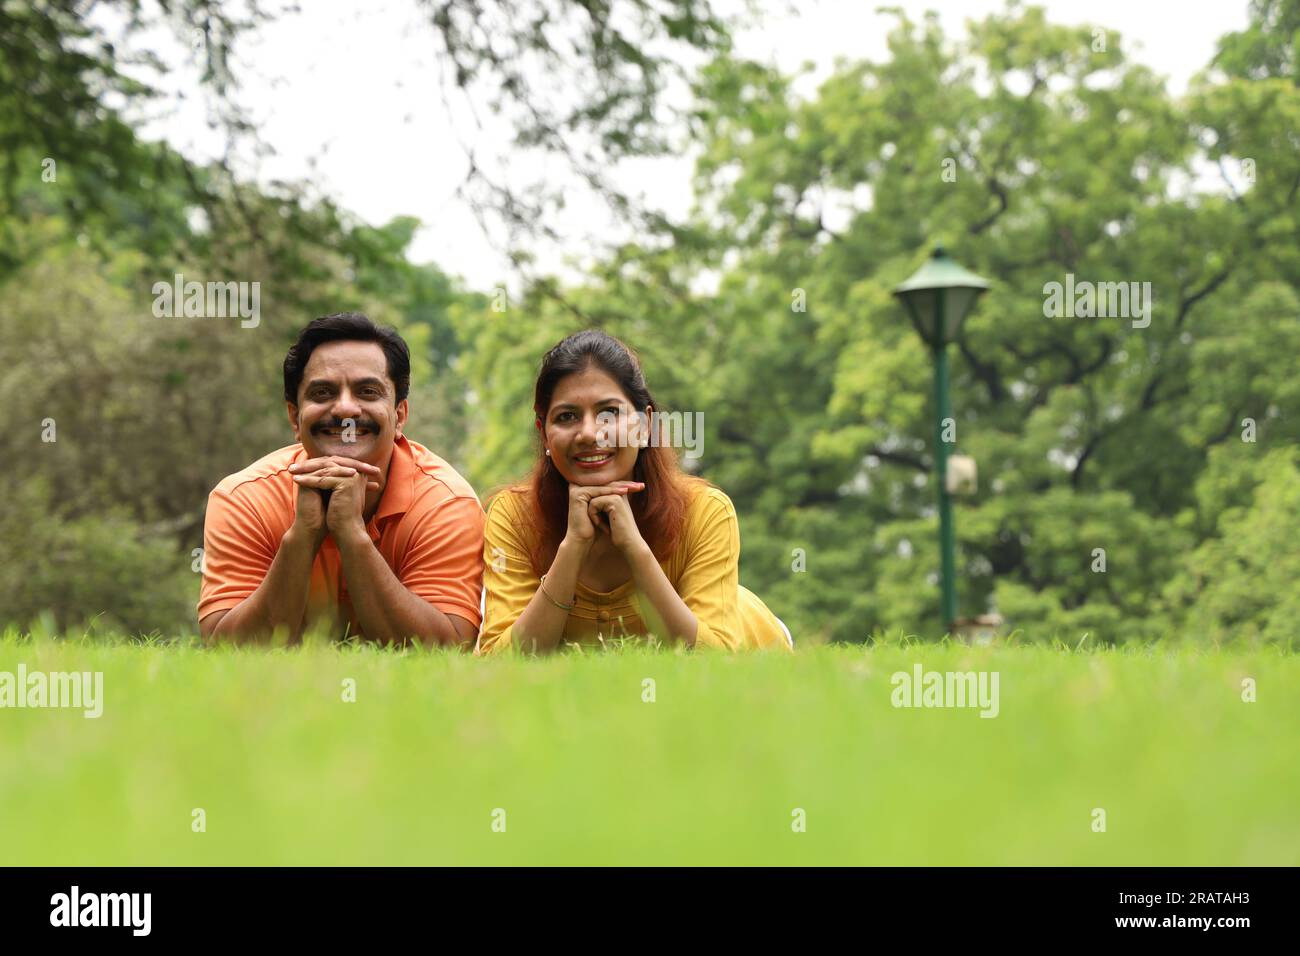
[591,429]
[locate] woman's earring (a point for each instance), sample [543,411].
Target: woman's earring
[548,453]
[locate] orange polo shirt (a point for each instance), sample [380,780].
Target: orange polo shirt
[428,527]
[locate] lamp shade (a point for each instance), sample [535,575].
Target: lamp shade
[940,280]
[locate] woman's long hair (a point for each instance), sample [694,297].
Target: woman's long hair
[659,510]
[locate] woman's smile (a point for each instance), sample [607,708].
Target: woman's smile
[593,461]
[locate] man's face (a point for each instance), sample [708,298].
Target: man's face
[347,403]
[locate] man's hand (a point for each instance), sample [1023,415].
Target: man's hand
[345,481]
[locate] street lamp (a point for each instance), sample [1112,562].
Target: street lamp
[938,296]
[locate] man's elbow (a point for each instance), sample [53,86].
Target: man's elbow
[210,624]
[462,634]
[229,627]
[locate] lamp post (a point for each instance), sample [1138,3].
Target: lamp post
[937,297]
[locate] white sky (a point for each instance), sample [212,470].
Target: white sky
[350,101]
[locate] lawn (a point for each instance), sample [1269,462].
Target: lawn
[803,759]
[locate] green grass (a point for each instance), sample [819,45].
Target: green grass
[710,772]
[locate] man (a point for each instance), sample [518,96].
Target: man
[355,522]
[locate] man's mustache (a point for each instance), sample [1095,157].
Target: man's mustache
[360,424]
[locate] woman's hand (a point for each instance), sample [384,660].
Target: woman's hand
[582,526]
[612,515]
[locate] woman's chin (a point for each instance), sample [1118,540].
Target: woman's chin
[601,476]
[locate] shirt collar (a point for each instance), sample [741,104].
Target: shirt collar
[400,487]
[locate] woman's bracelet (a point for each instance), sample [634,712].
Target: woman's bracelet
[563,607]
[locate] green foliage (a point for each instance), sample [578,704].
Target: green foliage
[1026,147]
[1240,583]
[104,571]
[1033,153]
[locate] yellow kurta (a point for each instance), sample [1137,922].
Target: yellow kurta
[704,570]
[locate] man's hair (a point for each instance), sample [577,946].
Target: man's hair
[343,326]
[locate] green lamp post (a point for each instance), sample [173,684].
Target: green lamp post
[938,296]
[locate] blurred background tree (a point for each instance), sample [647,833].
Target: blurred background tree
[1029,151]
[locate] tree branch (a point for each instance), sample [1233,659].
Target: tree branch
[900,458]
[986,373]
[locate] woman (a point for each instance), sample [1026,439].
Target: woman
[610,539]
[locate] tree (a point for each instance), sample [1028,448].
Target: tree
[1034,152]
[587,81]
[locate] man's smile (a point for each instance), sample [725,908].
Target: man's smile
[337,431]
